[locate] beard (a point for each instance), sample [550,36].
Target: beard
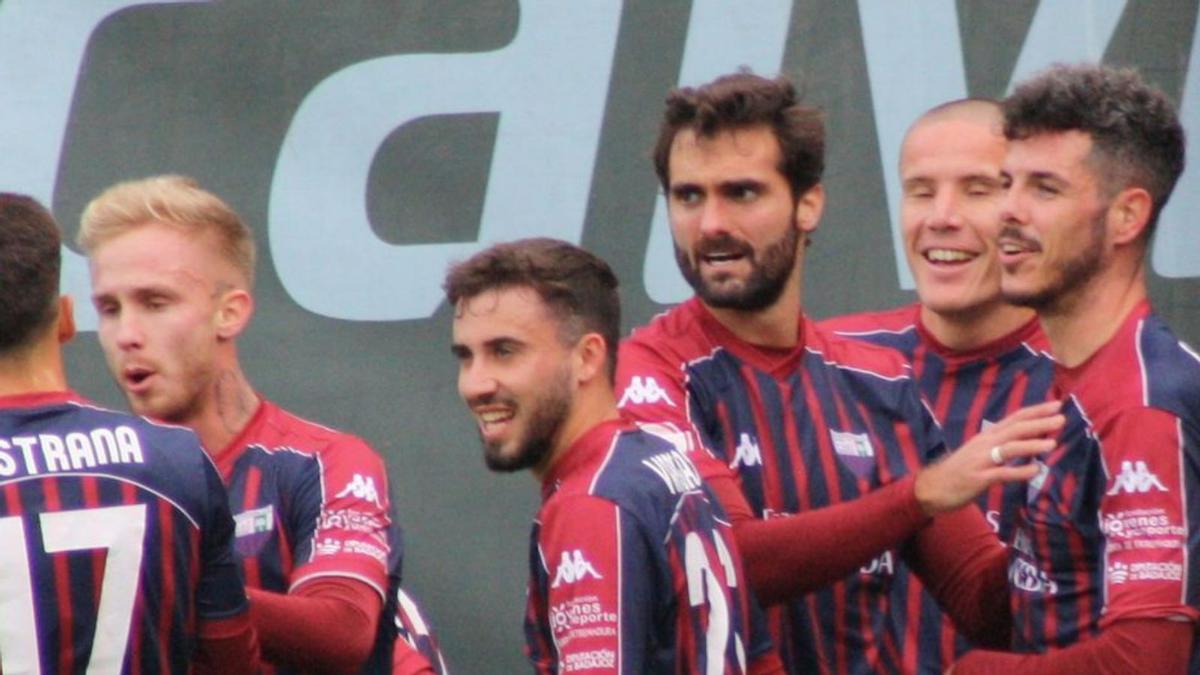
[1068,275]
[769,272]
[546,415]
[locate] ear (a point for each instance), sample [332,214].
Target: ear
[1129,214]
[809,208]
[590,358]
[66,319]
[234,309]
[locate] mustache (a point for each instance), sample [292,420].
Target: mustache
[722,243]
[1015,234]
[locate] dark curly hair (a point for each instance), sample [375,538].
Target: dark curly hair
[741,100]
[1135,131]
[578,287]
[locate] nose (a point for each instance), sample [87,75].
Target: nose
[1012,208]
[475,382]
[713,218]
[128,331]
[945,212]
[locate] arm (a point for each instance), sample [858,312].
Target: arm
[1132,646]
[326,625]
[226,647]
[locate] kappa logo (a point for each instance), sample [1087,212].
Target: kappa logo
[644,390]
[747,452]
[361,488]
[573,567]
[1135,477]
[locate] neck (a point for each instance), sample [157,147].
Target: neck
[965,331]
[591,407]
[1082,322]
[775,326]
[231,402]
[35,369]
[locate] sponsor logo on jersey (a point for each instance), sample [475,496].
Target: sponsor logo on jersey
[747,452]
[327,546]
[351,521]
[594,660]
[573,567]
[361,488]
[849,444]
[884,565]
[1119,572]
[643,390]
[1135,477]
[254,521]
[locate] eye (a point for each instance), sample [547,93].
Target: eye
[685,195]
[981,188]
[743,193]
[1047,190]
[106,307]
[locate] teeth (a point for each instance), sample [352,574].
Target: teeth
[1008,247]
[494,416]
[948,255]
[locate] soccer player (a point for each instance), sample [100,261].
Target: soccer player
[976,357]
[827,431]
[633,568]
[117,553]
[1102,560]
[172,270]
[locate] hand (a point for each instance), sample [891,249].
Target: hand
[981,462]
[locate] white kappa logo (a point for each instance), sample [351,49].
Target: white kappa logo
[644,390]
[1135,477]
[573,567]
[747,453]
[362,488]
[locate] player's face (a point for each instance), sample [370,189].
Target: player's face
[514,373]
[1053,233]
[154,291]
[950,208]
[733,217]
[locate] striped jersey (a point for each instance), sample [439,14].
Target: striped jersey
[967,390]
[633,568]
[311,502]
[117,539]
[416,644]
[812,426]
[1110,528]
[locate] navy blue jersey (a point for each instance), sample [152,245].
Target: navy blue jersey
[312,502]
[117,538]
[802,428]
[633,568]
[967,391]
[1111,525]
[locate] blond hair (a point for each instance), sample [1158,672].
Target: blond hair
[177,201]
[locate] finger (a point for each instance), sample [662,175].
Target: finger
[1029,412]
[1025,448]
[1013,474]
[1029,428]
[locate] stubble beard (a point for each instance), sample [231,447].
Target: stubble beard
[547,414]
[1068,276]
[769,273]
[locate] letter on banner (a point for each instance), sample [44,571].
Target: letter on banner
[722,36]
[42,43]
[327,256]
[914,62]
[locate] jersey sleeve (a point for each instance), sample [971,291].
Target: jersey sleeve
[1143,515]
[598,580]
[220,593]
[342,520]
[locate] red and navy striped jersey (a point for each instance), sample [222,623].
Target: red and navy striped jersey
[1110,529]
[116,539]
[311,502]
[417,647]
[803,428]
[967,391]
[633,568]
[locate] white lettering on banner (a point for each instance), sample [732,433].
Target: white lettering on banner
[914,62]
[42,44]
[573,567]
[73,451]
[722,36]
[538,184]
[642,390]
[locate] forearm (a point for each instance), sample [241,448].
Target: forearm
[326,625]
[226,647]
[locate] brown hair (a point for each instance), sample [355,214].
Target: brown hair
[30,264]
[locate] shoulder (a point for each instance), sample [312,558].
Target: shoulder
[855,357]
[280,429]
[676,335]
[1170,370]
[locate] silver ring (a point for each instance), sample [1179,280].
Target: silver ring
[997,455]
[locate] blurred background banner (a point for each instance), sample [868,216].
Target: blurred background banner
[370,143]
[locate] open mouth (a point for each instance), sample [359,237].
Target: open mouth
[136,376]
[948,256]
[493,420]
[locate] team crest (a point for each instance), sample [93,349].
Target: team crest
[855,451]
[252,529]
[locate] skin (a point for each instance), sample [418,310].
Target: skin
[39,365]
[1067,248]
[170,310]
[531,393]
[950,177]
[729,206]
